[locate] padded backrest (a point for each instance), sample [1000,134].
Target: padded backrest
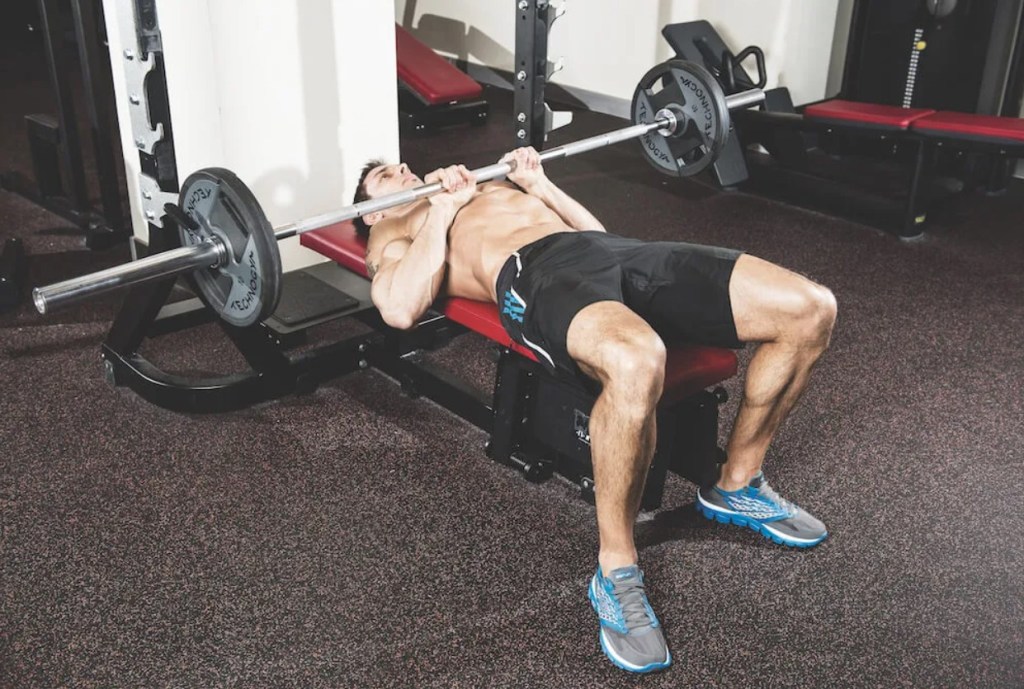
[435,80]
[869,114]
[986,128]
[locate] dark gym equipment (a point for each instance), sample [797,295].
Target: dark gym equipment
[908,142]
[55,141]
[963,57]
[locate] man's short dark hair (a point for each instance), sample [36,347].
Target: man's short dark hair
[361,195]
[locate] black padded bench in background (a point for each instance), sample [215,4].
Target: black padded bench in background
[788,133]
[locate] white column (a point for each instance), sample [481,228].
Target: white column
[293,97]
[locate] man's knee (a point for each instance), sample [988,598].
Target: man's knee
[632,363]
[817,315]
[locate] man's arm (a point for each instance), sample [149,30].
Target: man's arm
[407,273]
[529,176]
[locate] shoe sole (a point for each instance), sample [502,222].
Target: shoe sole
[611,655]
[754,525]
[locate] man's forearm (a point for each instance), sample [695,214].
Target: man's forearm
[569,209]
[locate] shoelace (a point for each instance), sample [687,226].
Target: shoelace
[769,492]
[631,599]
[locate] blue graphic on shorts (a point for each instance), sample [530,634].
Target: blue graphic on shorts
[513,308]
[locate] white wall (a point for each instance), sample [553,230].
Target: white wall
[609,44]
[293,97]
[840,46]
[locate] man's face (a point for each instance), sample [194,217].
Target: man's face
[387,179]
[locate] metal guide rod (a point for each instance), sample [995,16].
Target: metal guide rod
[164,264]
[211,254]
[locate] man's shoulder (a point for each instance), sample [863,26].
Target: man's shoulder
[388,230]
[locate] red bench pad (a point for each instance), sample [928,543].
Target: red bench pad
[688,368]
[851,112]
[430,75]
[979,127]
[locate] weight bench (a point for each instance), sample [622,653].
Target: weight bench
[788,133]
[927,129]
[433,93]
[539,423]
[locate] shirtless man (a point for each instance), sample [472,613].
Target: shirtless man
[593,303]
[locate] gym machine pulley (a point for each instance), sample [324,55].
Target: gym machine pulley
[680,115]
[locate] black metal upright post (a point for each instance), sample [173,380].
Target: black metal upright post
[530,72]
[98,97]
[70,146]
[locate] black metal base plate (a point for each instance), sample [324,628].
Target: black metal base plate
[305,298]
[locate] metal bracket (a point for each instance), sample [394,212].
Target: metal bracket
[137,66]
[556,67]
[153,199]
[553,119]
[559,10]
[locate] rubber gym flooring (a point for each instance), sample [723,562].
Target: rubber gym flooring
[358,538]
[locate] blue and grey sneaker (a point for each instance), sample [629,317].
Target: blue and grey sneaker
[630,633]
[760,508]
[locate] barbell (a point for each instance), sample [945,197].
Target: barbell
[680,115]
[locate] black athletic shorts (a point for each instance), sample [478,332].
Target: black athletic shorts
[681,290]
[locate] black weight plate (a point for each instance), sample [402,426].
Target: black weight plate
[697,100]
[247,288]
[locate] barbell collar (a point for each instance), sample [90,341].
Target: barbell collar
[209,254]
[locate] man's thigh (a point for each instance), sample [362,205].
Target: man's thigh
[601,332]
[766,298]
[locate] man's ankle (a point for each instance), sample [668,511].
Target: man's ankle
[735,480]
[610,562]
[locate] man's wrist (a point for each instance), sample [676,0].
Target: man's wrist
[538,187]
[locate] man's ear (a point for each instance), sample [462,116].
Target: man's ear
[373,218]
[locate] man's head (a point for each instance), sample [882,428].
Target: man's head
[377,179]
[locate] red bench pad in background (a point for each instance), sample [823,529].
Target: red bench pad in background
[688,369]
[980,127]
[852,112]
[432,77]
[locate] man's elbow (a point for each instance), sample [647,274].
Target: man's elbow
[398,318]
